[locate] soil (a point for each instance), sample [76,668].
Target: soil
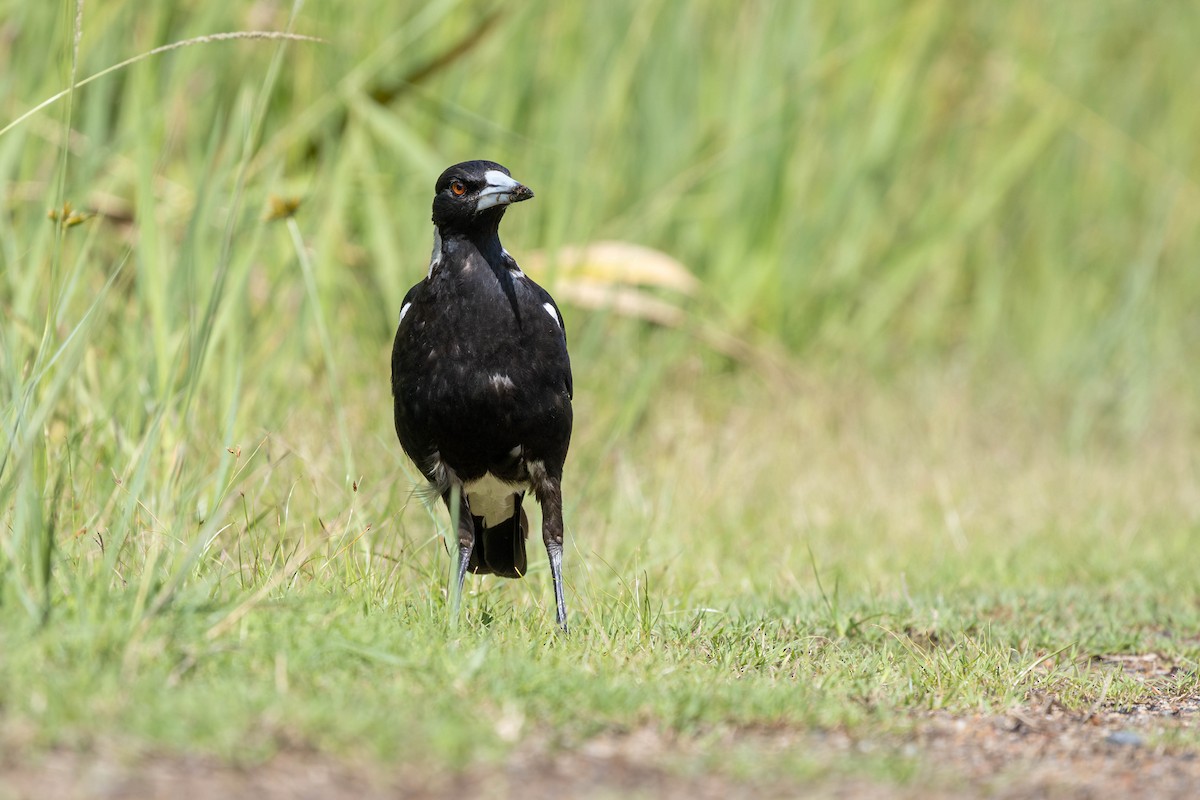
[1040,750]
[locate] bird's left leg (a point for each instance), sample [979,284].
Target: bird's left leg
[549,495]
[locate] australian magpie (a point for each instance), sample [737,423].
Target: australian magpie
[482,381]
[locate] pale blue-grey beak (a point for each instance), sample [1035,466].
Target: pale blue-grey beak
[501,190]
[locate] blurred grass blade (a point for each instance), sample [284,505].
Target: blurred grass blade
[166,48]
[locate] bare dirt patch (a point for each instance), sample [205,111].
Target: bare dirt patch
[1040,750]
[1047,751]
[1036,752]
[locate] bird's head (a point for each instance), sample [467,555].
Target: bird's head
[474,194]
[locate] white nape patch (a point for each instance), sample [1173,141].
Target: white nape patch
[497,192]
[553,314]
[490,498]
[404,310]
[501,382]
[435,257]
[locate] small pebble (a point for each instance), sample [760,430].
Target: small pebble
[1125,738]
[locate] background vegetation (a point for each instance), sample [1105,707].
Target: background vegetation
[922,435]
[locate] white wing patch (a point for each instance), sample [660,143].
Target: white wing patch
[404,310]
[553,314]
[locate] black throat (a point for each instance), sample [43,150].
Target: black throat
[485,237]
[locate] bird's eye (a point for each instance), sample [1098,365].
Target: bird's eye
[458,188]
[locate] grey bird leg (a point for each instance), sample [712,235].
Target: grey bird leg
[466,541]
[552,535]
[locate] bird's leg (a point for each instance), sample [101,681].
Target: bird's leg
[552,534]
[460,518]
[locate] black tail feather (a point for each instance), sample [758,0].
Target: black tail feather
[500,549]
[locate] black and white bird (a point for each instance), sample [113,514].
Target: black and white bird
[482,380]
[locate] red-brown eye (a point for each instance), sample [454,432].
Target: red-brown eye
[458,188]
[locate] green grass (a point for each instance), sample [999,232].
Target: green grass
[951,459]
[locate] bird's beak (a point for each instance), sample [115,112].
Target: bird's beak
[501,190]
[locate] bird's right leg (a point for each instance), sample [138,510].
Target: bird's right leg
[461,519]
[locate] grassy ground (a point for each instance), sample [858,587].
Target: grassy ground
[922,438]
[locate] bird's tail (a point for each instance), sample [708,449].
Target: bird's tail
[500,549]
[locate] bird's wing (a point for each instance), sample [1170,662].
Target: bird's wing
[550,307]
[409,297]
